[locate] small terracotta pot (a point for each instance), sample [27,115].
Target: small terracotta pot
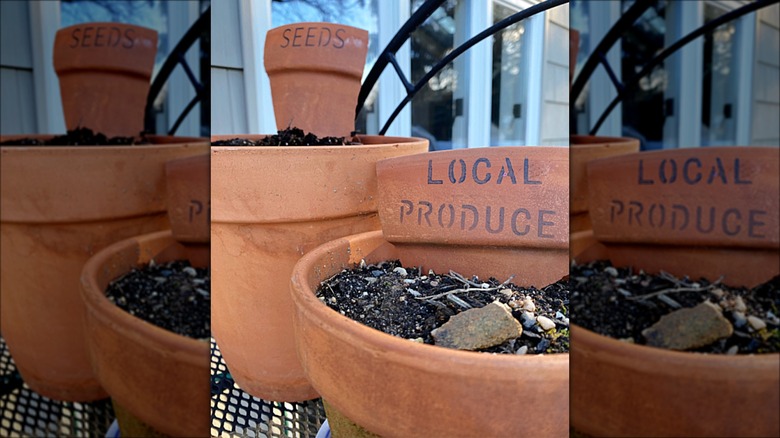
[701,212]
[627,390]
[315,71]
[104,71]
[395,387]
[583,149]
[270,205]
[188,188]
[58,207]
[621,389]
[158,376]
[504,207]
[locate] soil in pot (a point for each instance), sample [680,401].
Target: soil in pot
[287,137]
[664,311]
[174,296]
[80,137]
[494,316]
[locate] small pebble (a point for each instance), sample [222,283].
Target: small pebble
[506,292]
[542,345]
[401,271]
[528,319]
[739,318]
[717,292]
[611,271]
[733,350]
[739,305]
[756,322]
[190,271]
[529,305]
[545,323]
[522,350]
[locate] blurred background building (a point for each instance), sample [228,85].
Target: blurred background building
[511,89]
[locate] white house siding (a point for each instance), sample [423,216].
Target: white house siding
[766,84]
[555,93]
[228,101]
[17,106]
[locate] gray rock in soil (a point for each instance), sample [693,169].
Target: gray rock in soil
[689,328]
[479,328]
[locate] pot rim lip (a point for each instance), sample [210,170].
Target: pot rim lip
[413,354]
[392,141]
[668,357]
[182,141]
[611,140]
[130,325]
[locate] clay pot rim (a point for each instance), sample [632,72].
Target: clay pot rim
[412,354]
[368,146]
[602,141]
[164,141]
[643,356]
[187,349]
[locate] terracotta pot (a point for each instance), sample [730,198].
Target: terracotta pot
[58,207]
[270,205]
[158,376]
[503,207]
[621,389]
[188,186]
[315,71]
[627,390]
[104,71]
[701,212]
[583,149]
[394,387]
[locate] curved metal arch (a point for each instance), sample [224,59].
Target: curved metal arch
[388,55]
[625,88]
[175,58]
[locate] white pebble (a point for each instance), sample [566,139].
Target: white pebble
[756,322]
[190,271]
[401,271]
[545,323]
[739,319]
[484,286]
[506,292]
[733,350]
[529,305]
[522,350]
[362,263]
[739,305]
[611,271]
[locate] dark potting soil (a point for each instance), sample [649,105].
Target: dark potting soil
[287,137]
[80,137]
[403,302]
[621,303]
[174,296]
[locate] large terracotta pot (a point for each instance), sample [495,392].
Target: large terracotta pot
[158,376]
[583,149]
[104,71]
[397,388]
[622,389]
[58,207]
[270,205]
[394,387]
[315,71]
[188,186]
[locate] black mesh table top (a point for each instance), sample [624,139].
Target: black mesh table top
[234,413]
[25,413]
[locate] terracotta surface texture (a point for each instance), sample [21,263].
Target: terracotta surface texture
[104,71]
[423,390]
[585,148]
[158,376]
[719,208]
[506,208]
[58,207]
[271,205]
[315,71]
[620,389]
[188,189]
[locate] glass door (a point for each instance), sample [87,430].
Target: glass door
[508,104]
[719,82]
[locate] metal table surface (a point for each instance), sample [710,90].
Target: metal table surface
[23,412]
[234,413]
